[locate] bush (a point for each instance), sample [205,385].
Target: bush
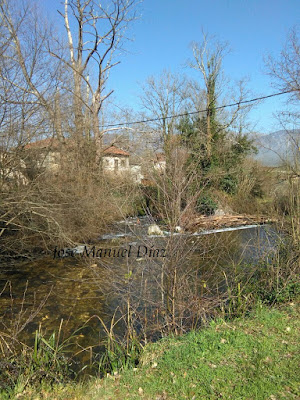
[206,205]
[46,361]
[229,184]
[119,356]
[270,283]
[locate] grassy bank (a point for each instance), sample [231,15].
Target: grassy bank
[250,358]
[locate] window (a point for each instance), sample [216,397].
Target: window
[123,163]
[116,164]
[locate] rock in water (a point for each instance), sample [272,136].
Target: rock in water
[154,230]
[219,212]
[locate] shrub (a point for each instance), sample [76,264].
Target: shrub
[45,361]
[229,184]
[206,205]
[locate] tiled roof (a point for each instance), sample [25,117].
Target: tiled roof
[43,144]
[115,151]
[54,143]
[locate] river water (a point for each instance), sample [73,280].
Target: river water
[77,289]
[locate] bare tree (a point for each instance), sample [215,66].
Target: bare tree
[163,98]
[40,67]
[37,99]
[29,76]
[285,71]
[95,32]
[25,65]
[285,74]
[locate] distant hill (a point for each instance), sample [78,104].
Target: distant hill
[277,146]
[273,148]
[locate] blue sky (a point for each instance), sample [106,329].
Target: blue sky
[162,35]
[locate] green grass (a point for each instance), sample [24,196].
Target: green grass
[252,358]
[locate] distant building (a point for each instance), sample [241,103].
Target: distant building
[46,154]
[136,173]
[115,159]
[159,162]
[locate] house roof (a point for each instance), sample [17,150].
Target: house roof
[113,150]
[43,144]
[53,143]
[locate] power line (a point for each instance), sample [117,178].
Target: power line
[196,112]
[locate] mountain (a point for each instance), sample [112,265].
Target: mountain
[278,146]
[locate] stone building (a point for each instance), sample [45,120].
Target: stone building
[115,159]
[46,154]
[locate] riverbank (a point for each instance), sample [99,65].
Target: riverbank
[253,357]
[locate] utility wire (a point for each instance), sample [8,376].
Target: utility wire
[196,112]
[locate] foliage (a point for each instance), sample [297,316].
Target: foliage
[281,278]
[216,143]
[71,207]
[139,204]
[284,292]
[151,200]
[229,183]
[206,205]
[222,169]
[118,356]
[45,361]
[271,282]
[254,357]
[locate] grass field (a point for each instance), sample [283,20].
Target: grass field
[257,357]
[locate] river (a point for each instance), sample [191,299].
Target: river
[75,289]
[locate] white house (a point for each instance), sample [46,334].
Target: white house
[136,173]
[159,162]
[46,153]
[115,160]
